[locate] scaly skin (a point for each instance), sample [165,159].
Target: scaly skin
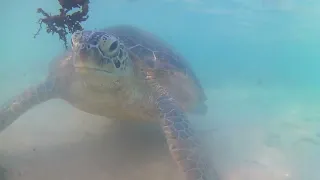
[185,147]
[32,96]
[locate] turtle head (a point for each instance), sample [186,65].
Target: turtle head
[98,52]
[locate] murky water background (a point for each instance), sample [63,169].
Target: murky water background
[258,61]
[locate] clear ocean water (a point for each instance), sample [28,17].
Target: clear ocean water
[258,61]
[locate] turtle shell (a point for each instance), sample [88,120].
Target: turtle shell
[161,57]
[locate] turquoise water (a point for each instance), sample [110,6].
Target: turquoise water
[257,59]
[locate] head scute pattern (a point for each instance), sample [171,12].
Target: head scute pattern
[101,46]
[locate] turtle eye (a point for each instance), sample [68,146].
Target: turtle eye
[113,46]
[109,45]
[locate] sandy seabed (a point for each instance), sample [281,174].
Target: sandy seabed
[255,133]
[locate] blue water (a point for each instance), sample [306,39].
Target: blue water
[275,42]
[257,59]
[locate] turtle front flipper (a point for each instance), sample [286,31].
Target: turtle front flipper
[184,146]
[32,96]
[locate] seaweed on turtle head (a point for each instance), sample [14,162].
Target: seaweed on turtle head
[64,23]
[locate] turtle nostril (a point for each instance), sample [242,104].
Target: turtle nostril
[82,46]
[117,63]
[113,46]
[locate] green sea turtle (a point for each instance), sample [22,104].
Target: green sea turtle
[123,72]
